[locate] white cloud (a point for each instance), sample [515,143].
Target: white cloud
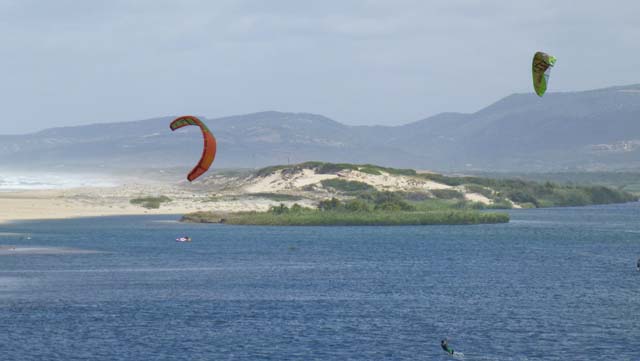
[361,61]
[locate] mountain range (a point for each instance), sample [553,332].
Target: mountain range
[586,130]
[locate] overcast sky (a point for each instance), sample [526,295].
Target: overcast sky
[69,62]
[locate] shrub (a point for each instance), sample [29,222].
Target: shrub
[356,205]
[347,186]
[476,188]
[317,218]
[447,194]
[150,202]
[416,196]
[266,171]
[369,170]
[522,196]
[391,201]
[333,168]
[501,203]
[572,197]
[296,208]
[280,209]
[329,204]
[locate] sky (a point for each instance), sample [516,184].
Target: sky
[359,62]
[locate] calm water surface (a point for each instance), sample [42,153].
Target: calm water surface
[553,284]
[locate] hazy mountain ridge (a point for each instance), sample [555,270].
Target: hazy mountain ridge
[598,129]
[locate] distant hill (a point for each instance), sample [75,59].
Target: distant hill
[589,130]
[592,130]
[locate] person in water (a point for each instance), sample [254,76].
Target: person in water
[445,346]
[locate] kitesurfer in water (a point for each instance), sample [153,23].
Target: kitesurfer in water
[445,346]
[638,264]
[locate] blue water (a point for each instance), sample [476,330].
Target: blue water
[553,284]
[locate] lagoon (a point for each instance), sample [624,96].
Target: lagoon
[553,284]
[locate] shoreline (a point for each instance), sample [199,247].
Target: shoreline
[56,204]
[229,194]
[112,201]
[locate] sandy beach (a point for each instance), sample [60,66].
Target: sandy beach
[111,201]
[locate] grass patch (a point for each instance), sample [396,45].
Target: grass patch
[370,170]
[340,218]
[385,209]
[150,202]
[346,186]
[447,194]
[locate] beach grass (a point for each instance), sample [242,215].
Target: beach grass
[314,217]
[152,202]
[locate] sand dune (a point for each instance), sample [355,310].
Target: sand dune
[215,193]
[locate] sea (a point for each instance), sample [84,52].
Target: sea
[24,181]
[552,284]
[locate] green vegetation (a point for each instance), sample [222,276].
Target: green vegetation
[266,171]
[475,188]
[447,194]
[346,186]
[333,168]
[379,201]
[388,201]
[150,202]
[537,194]
[379,208]
[627,181]
[360,203]
[501,191]
[283,216]
[278,197]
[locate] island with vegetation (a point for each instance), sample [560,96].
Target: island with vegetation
[317,193]
[385,209]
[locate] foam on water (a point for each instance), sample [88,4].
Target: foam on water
[41,181]
[16,250]
[7,283]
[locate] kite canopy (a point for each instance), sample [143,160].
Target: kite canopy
[209,150]
[541,68]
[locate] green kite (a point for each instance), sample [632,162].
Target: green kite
[541,68]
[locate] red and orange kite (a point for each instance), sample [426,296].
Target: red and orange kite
[209,150]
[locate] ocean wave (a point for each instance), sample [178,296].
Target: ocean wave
[15,182]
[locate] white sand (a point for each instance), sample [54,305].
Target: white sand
[477,197]
[112,201]
[92,202]
[279,182]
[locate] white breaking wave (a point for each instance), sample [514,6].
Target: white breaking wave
[33,181]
